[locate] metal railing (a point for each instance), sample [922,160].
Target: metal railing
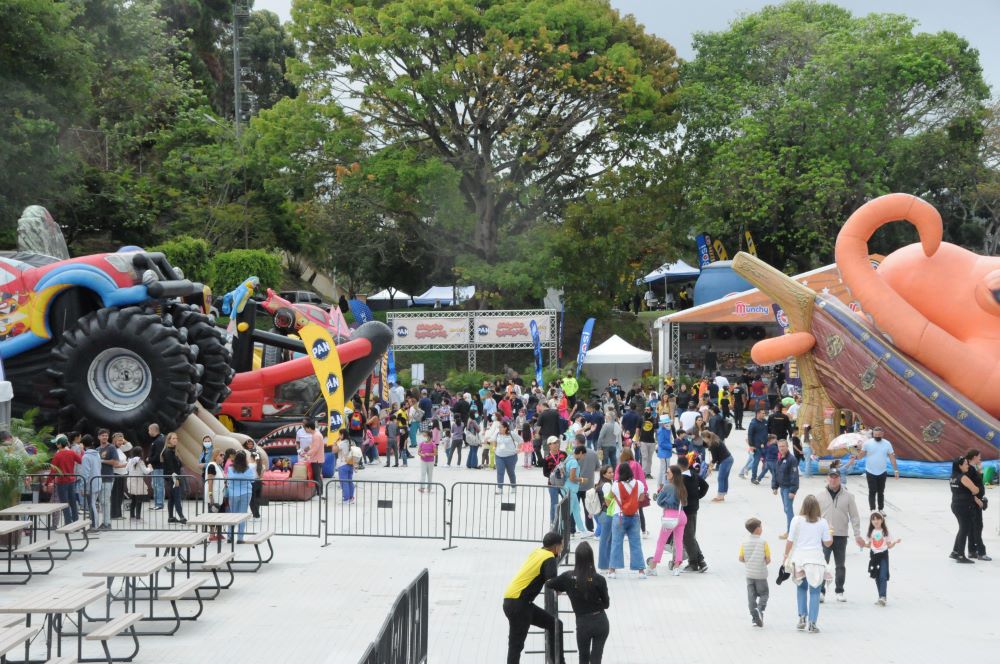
[403,637]
[385,509]
[481,511]
[290,508]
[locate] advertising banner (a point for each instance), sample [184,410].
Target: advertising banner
[588,330]
[326,364]
[431,331]
[538,352]
[507,329]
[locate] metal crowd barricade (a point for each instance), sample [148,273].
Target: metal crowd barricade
[385,509]
[403,637]
[120,503]
[291,508]
[479,511]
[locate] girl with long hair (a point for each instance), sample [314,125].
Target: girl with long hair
[878,543]
[588,593]
[672,497]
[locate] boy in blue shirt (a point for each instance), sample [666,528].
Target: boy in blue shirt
[664,448]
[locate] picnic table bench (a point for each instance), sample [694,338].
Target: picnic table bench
[21,554]
[132,570]
[56,603]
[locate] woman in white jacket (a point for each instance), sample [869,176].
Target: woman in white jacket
[808,533]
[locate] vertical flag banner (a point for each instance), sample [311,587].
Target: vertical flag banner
[537,340]
[362,312]
[392,365]
[588,329]
[326,365]
[791,367]
[712,256]
[704,254]
[751,247]
[720,250]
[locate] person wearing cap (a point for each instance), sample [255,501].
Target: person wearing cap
[65,460]
[519,599]
[877,453]
[840,510]
[664,448]
[554,468]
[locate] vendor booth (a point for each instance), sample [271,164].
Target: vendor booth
[616,358]
[445,296]
[388,298]
[660,280]
[717,334]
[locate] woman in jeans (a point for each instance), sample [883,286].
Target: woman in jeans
[506,457]
[625,521]
[672,497]
[606,478]
[807,535]
[556,474]
[174,474]
[239,487]
[588,593]
[722,459]
[473,441]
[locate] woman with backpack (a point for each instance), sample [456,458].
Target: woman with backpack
[598,506]
[472,440]
[627,493]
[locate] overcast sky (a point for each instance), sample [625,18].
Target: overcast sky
[676,20]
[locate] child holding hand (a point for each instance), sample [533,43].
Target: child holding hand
[879,543]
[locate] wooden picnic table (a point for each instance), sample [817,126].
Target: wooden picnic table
[177,543]
[54,603]
[7,528]
[209,520]
[34,512]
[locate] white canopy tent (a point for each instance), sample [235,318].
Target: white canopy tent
[616,358]
[398,297]
[445,296]
[678,271]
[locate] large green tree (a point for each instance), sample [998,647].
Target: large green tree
[798,114]
[527,100]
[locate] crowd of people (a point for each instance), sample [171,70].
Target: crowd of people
[107,473]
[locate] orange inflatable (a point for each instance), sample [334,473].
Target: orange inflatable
[924,358]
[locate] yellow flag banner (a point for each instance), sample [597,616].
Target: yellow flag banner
[751,247]
[720,250]
[326,364]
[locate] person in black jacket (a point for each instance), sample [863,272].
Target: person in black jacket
[696,487]
[588,593]
[977,549]
[519,598]
[779,424]
[786,480]
[155,452]
[173,471]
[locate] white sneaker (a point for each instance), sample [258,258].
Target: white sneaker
[642,574]
[612,575]
[677,571]
[841,598]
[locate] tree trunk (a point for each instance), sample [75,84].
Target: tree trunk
[487,219]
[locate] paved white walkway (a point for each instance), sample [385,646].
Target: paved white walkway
[317,604]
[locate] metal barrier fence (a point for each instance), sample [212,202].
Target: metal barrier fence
[385,509]
[290,508]
[481,511]
[403,637]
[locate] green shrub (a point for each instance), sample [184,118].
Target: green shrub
[189,254]
[404,378]
[231,268]
[458,382]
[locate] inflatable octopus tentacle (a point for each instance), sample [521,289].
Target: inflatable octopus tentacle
[908,328]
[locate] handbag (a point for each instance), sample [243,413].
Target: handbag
[669,522]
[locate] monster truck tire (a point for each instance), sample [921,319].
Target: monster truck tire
[124,369]
[212,355]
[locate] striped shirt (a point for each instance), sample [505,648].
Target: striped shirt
[754,552]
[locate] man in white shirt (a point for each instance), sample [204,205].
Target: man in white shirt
[721,381]
[397,395]
[793,410]
[688,417]
[303,438]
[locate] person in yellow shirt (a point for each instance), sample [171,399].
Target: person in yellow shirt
[519,599]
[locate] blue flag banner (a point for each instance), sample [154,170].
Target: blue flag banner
[588,329]
[537,340]
[704,251]
[362,313]
[392,366]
